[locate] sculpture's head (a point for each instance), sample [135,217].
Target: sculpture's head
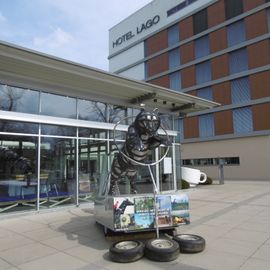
[147,122]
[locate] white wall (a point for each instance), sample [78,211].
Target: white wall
[128,27]
[136,72]
[254,153]
[126,58]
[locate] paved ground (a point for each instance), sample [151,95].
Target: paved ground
[233,218]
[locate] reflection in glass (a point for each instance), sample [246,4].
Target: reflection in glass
[59,106]
[18,173]
[58,130]
[58,171]
[18,100]
[18,127]
[91,110]
[116,113]
[93,167]
[92,133]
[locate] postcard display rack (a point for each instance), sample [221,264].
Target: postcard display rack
[140,212]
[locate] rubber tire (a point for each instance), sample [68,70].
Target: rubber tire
[165,254]
[126,255]
[190,243]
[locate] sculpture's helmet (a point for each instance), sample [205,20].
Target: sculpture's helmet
[148,122]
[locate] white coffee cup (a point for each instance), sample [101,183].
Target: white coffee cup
[193,176]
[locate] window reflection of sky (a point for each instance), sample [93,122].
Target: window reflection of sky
[55,105]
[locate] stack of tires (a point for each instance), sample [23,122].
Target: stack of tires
[160,249]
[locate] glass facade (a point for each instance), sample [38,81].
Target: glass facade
[242,120]
[173,35]
[203,72]
[45,165]
[236,33]
[238,61]
[175,81]
[201,47]
[240,90]
[174,58]
[206,125]
[205,93]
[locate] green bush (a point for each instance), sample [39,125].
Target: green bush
[184,184]
[209,181]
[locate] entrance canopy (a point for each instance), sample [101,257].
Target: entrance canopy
[31,69]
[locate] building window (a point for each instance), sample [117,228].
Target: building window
[238,61]
[179,7]
[201,46]
[200,21]
[179,127]
[211,161]
[175,81]
[205,93]
[236,33]
[233,8]
[203,72]
[18,99]
[206,125]
[242,120]
[174,58]
[240,90]
[173,35]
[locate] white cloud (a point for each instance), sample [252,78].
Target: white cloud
[55,40]
[74,30]
[2,17]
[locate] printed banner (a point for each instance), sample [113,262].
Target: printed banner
[137,213]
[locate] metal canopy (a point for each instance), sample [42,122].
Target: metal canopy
[32,69]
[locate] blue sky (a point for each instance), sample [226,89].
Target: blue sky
[76,30]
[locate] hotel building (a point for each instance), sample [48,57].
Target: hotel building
[213,49]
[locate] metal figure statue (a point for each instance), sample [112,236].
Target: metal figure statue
[142,136]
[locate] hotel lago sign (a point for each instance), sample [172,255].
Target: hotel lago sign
[139,29]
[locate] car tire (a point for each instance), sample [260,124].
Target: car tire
[162,250]
[190,243]
[126,251]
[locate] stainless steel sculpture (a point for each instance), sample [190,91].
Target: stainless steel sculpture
[142,136]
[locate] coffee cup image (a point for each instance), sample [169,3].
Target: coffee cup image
[193,176]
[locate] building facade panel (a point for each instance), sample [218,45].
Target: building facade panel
[222,93]
[218,40]
[240,28]
[157,64]
[261,116]
[161,81]
[187,52]
[156,43]
[256,24]
[259,54]
[127,58]
[259,85]
[137,72]
[188,76]
[223,123]
[219,66]
[216,13]
[253,154]
[248,5]
[193,93]
[191,127]
[186,28]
